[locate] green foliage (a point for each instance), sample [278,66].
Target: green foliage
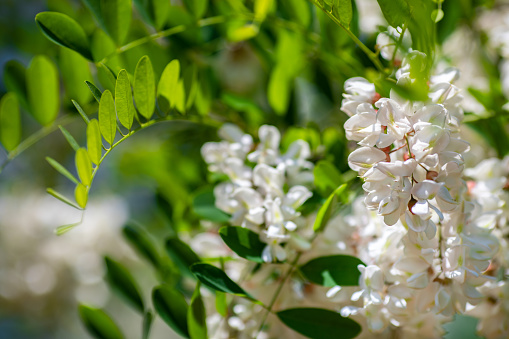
[327,177]
[114,16]
[123,282]
[319,323]
[333,202]
[462,326]
[84,166]
[98,323]
[167,88]
[74,68]
[216,279]
[10,122]
[61,198]
[196,316]
[333,270]
[124,100]
[244,242]
[205,208]
[107,117]
[154,12]
[62,170]
[65,31]
[144,88]
[95,91]
[142,243]
[81,195]
[172,308]
[94,141]
[43,89]
[181,254]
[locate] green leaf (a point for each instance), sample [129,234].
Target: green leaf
[244,242]
[172,307]
[74,68]
[10,121]
[116,16]
[333,270]
[327,177]
[205,208]
[462,326]
[15,81]
[81,195]
[43,89]
[327,210]
[261,8]
[196,7]
[70,139]
[94,142]
[148,320]
[107,117]
[154,11]
[62,198]
[167,87]
[181,254]
[124,100]
[106,77]
[342,10]
[243,32]
[144,87]
[121,280]
[64,31]
[216,279]
[141,241]
[319,323]
[62,170]
[279,90]
[61,230]
[84,166]
[98,323]
[81,111]
[95,91]
[196,316]
[221,304]
[180,97]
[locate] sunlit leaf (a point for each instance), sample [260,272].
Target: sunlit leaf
[74,69]
[279,91]
[62,198]
[261,8]
[196,316]
[327,177]
[62,170]
[43,89]
[107,117]
[61,230]
[144,87]
[106,78]
[327,210]
[221,304]
[172,308]
[124,100]
[81,195]
[84,166]
[166,89]
[95,91]
[114,16]
[65,31]
[98,323]
[94,142]
[244,242]
[123,282]
[10,121]
[333,270]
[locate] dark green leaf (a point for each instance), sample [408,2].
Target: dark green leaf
[142,243]
[181,254]
[124,100]
[106,78]
[94,141]
[98,323]
[81,195]
[15,81]
[172,307]
[327,210]
[279,90]
[319,323]
[123,282]
[196,316]
[10,121]
[144,87]
[333,270]
[64,31]
[81,111]
[84,166]
[62,170]
[216,279]
[107,117]
[43,89]
[62,198]
[462,326]
[154,11]
[205,208]
[244,242]
[70,139]
[196,7]
[148,320]
[95,91]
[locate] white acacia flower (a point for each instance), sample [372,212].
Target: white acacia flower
[267,151]
[357,91]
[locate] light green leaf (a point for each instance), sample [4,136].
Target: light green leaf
[70,139]
[123,282]
[244,242]
[319,323]
[196,316]
[95,91]
[333,270]
[144,87]
[327,177]
[124,100]
[261,8]
[243,32]
[216,279]
[204,207]
[84,166]
[180,97]
[172,307]
[166,89]
[196,7]
[279,90]
[60,230]
[154,11]
[116,16]
[43,89]
[106,78]
[342,9]
[81,195]
[62,170]
[98,323]
[62,198]
[81,111]
[15,81]
[142,243]
[65,31]
[94,142]
[299,10]
[74,68]
[148,319]
[107,117]
[221,304]
[181,254]
[10,121]
[327,210]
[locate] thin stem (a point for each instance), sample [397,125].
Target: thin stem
[168,32]
[34,138]
[370,54]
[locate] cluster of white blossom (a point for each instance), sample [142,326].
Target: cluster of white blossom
[265,188]
[437,258]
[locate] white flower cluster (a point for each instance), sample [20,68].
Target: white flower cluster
[265,188]
[435,259]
